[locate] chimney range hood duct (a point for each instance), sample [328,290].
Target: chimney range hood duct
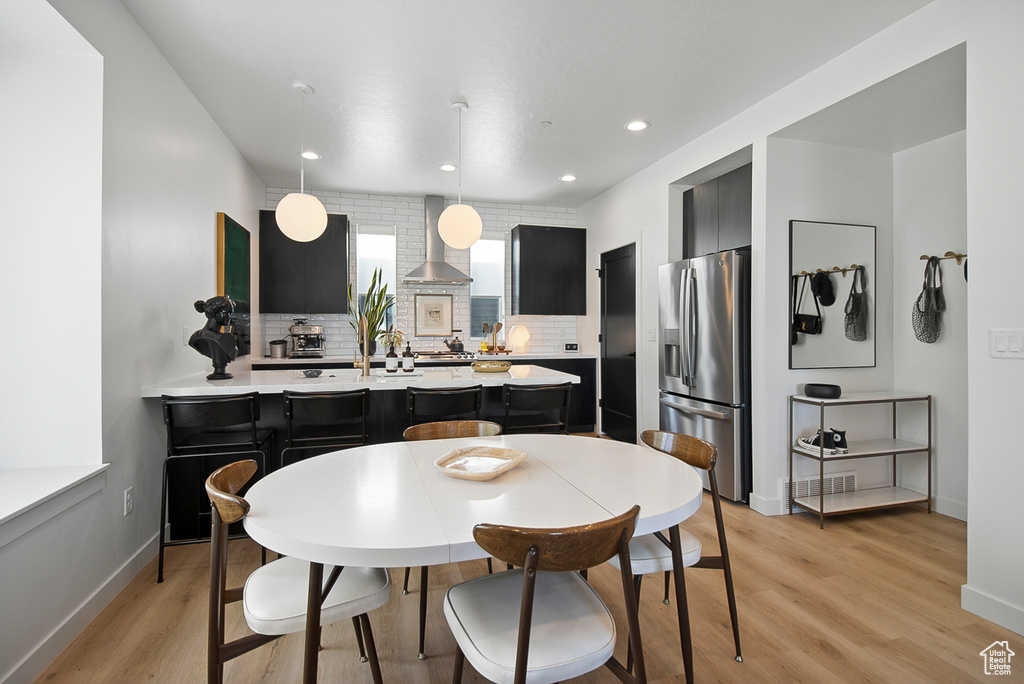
[435,269]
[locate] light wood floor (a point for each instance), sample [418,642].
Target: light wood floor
[873,598]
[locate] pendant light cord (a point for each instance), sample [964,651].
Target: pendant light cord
[460,155]
[302,144]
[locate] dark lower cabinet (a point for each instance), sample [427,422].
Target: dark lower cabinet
[304,277]
[549,267]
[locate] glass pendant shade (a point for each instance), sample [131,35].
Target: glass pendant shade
[301,217]
[460,226]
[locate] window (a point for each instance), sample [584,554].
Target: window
[487,291]
[376,248]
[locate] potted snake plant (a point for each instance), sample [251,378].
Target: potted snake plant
[374,308]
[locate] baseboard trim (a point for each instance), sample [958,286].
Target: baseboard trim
[951,508]
[35,663]
[766,506]
[992,609]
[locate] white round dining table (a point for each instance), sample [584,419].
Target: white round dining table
[388,505]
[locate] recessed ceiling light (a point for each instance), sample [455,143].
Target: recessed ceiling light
[448,167]
[568,178]
[638,125]
[310,155]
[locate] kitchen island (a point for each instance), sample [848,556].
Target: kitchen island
[337,379]
[188,509]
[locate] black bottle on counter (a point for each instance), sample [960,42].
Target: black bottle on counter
[391,360]
[408,360]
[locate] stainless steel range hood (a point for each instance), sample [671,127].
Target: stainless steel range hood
[435,269]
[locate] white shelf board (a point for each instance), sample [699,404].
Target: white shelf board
[881,497]
[867,447]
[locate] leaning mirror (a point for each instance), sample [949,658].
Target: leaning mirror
[831,294]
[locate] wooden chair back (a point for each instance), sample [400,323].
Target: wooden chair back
[692,450]
[449,429]
[443,402]
[562,549]
[223,485]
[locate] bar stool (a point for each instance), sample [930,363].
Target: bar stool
[443,403]
[209,427]
[324,420]
[536,408]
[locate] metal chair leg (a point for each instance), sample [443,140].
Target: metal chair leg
[637,583]
[359,638]
[423,610]
[163,524]
[405,583]
[371,648]
[668,581]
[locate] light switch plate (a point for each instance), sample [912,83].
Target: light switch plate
[1006,343]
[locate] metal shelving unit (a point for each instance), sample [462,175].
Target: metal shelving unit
[865,499]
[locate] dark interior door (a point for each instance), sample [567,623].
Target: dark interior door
[618,343]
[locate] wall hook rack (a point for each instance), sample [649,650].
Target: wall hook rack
[949,255]
[834,269]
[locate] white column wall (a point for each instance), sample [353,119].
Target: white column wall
[930,217]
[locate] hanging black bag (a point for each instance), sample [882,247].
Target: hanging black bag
[857,309]
[926,315]
[808,324]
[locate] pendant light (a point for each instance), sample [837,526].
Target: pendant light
[459,225]
[301,217]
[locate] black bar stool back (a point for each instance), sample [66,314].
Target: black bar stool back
[324,421]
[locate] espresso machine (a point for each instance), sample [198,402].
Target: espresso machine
[307,340]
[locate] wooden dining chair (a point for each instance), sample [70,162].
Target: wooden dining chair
[536,408]
[561,627]
[442,430]
[653,552]
[274,598]
[449,429]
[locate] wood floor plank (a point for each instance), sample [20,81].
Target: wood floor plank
[873,597]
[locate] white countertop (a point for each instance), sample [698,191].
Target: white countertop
[332,380]
[303,362]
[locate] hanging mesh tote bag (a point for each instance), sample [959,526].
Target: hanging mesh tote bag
[857,309]
[928,308]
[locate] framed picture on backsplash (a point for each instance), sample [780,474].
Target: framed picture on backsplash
[433,315]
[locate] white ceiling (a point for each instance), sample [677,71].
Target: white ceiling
[385,74]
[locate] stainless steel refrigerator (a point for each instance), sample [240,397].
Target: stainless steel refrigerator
[704,359]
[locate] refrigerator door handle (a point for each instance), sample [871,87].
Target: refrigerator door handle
[692,325]
[684,324]
[683,408]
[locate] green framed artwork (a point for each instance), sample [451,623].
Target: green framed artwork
[233,276]
[233,261]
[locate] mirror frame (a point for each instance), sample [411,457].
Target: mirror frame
[864,256]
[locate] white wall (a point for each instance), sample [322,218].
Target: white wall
[930,217]
[167,170]
[995,144]
[815,182]
[50,133]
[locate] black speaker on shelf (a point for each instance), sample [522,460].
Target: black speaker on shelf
[822,391]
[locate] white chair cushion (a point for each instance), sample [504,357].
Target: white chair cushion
[572,631]
[274,600]
[648,554]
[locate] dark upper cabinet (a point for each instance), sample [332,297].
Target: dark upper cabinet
[549,265]
[716,214]
[304,277]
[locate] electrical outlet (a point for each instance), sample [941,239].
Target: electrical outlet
[129,500]
[652,336]
[572,346]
